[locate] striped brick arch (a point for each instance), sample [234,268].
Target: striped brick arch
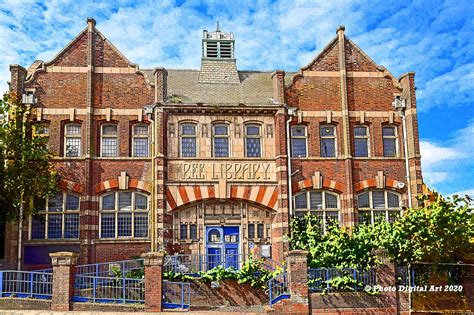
[70,186]
[326,184]
[177,196]
[372,183]
[112,184]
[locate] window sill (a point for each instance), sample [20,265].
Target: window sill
[121,240]
[116,158]
[55,241]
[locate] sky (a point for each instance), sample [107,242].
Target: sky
[432,38]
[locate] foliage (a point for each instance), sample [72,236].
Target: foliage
[25,169]
[218,273]
[171,275]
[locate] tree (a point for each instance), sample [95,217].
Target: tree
[26,172]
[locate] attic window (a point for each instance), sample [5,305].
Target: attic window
[219,49]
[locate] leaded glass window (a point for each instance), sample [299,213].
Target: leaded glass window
[298,141]
[361,141]
[72,140]
[188,140]
[109,140]
[328,141]
[389,134]
[221,140]
[322,204]
[253,141]
[140,140]
[378,205]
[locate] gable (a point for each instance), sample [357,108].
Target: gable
[327,60]
[356,59]
[74,54]
[105,53]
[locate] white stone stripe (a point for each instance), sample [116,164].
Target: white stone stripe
[190,193]
[253,193]
[268,195]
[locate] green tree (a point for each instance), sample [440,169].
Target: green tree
[26,172]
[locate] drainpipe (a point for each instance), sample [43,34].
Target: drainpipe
[405,148]
[151,113]
[291,113]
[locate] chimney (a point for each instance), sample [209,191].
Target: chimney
[278,78]
[18,76]
[161,84]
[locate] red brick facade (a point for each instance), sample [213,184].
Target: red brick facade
[92,84]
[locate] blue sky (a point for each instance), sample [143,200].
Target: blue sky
[432,38]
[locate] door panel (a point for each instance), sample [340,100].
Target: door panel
[213,257]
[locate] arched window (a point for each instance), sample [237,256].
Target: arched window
[253,141]
[378,205]
[361,141]
[108,141]
[221,140]
[140,140]
[323,204]
[188,140]
[328,141]
[72,140]
[298,141]
[57,218]
[389,134]
[214,236]
[124,214]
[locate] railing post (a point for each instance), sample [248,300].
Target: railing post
[31,283]
[153,262]
[298,280]
[1,284]
[124,288]
[64,266]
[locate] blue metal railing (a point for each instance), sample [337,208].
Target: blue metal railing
[320,278]
[110,269]
[278,288]
[108,289]
[176,295]
[26,284]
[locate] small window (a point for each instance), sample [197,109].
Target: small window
[389,134]
[251,231]
[183,232]
[298,141]
[253,141]
[361,141]
[328,141]
[41,130]
[109,141]
[221,140]
[72,140]
[260,229]
[140,140]
[193,232]
[188,140]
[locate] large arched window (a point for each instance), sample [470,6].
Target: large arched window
[378,205]
[57,218]
[188,140]
[124,214]
[323,204]
[220,134]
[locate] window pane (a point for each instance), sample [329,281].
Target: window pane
[253,147]
[300,213]
[388,131]
[253,130]
[298,147]
[315,200]
[393,216]
[55,203]
[55,223]
[251,230]
[379,216]
[109,130]
[188,147]
[361,148]
[364,217]
[73,129]
[301,202]
[125,201]
[327,131]
[72,202]
[331,201]
[393,200]
[260,231]
[124,224]
[108,202]
[363,201]
[378,199]
[38,227]
[108,225]
[141,225]
[141,202]
[221,147]
[71,226]
[183,231]
[140,147]
[328,147]
[220,130]
[73,147]
[298,132]
[39,204]
[109,146]
[389,147]
[140,130]
[360,131]
[193,231]
[332,217]
[188,129]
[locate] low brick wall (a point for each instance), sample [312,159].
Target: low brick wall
[24,304]
[107,307]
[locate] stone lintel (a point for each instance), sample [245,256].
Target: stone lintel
[63,258]
[153,258]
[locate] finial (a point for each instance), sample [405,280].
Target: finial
[340,28]
[217,27]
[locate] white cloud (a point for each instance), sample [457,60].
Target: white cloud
[434,154]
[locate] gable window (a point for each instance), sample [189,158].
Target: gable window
[221,140]
[323,204]
[361,141]
[253,141]
[124,214]
[389,134]
[57,218]
[298,141]
[328,141]
[378,205]
[140,140]
[188,140]
[109,140]
[72,140]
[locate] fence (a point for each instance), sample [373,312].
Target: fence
[26,284]
[278,288]
[320,279]
[176,295]
[111,269]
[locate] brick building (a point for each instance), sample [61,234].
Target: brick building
[196,161]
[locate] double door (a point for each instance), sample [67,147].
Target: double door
[222,246]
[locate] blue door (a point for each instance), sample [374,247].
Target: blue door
[222,247]
[213,258]
[231,257]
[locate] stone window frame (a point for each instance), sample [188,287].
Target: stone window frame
[116,211]
[323,137]
[140,136]
[109,136]
[323,211]
[390,213]
[181,136]
[64,212]
[365,137]
[305,137]
[392,138]
[72,136]
[214,136]
[41,129]
[259,137]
